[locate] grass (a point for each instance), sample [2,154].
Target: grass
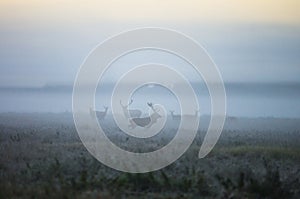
[47,160]
[273,152]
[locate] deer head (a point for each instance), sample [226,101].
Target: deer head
[155,115]
[105,108]
[126,106]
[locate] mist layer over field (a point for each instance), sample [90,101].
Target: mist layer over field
[243,99]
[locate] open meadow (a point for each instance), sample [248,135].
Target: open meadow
[43,157]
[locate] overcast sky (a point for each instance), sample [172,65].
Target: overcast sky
[44,42]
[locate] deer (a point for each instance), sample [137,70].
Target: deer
[175,117]
[145,122]
[100,114]
[196,113]
[129,113]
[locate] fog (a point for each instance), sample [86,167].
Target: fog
[245,100]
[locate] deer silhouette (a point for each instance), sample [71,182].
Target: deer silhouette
[175,117]
[178,117]
[146,122]
[129,113]
[100,114]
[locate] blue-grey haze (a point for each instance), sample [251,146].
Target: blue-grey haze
[260,64]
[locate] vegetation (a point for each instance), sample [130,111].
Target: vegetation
[44,158]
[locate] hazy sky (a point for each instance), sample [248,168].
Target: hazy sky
[44,42]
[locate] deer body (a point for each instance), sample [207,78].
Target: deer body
[178,117]
[195,115]
[100,114]
[175,117]
[146,122]
[130,113]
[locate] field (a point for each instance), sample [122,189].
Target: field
[43,157]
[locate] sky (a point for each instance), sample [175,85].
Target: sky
[45,42]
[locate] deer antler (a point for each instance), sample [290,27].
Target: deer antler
[151,105]
[130,102]
[125,106]
[121,104]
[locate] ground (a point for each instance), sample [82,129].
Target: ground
[43,157]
